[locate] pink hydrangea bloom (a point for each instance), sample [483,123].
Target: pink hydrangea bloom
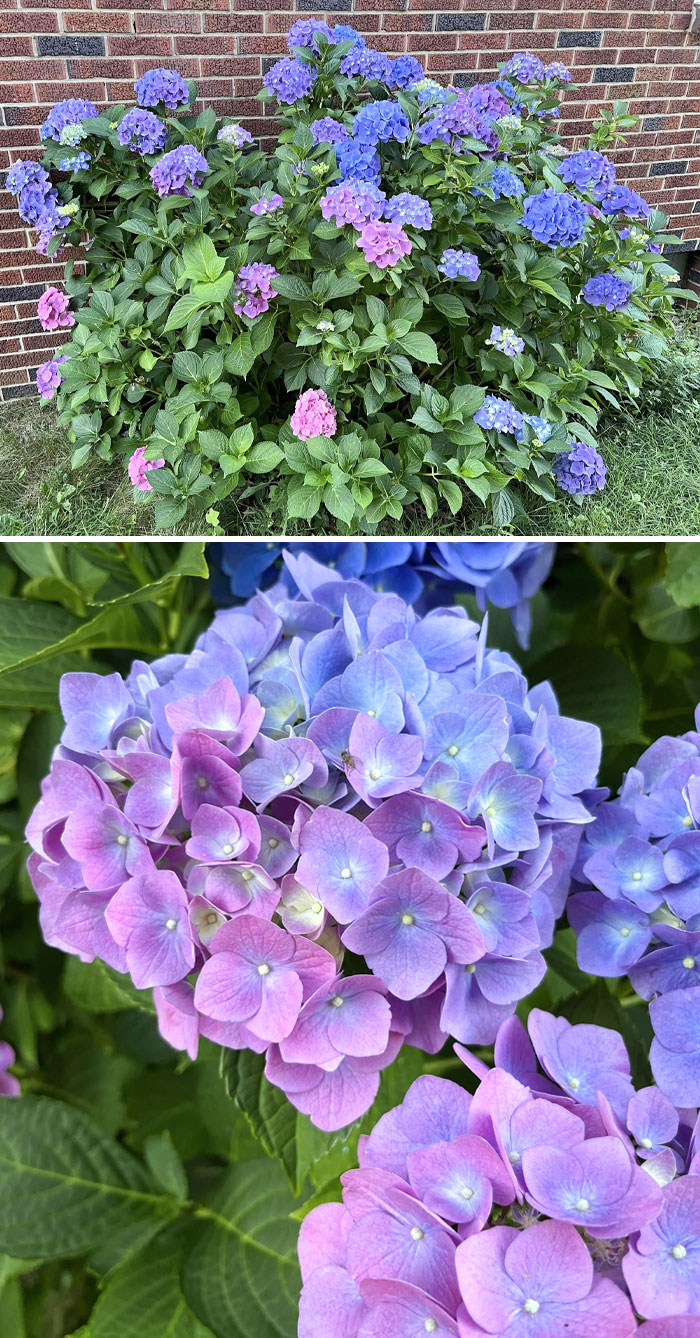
[384,243]
[53,310]
[314,416]
[138,468]
[49,378]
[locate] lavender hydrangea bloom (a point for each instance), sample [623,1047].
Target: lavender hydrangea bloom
[67,113]
[235,135]
[353,202]
[365,63]
[621,200]
[524,67]
[404,71]
[327,130]
[286,794]
[409,210]
[305,33]
[607,290]
[290,79]
[580,470]
[175,169]
[662,1268]
[33,201]
[588,170]
[504,184]
[456,120]
[456,264]
[142,132]
[555,218]
[162,86]
[24,173]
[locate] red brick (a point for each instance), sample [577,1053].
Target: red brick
[98,23]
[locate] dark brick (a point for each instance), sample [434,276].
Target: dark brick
[572,39]
[613,74]
[329,6]
[696,207]
[467,80]
[21,293]
[70,46]
[451,23]
[268,62]
[681,246]
[653,122]
[19,392]
[672,169]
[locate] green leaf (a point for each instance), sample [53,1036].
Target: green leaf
[183,311]
[241,1276]
[145,1298]
[200,260]
[97,988]
[165,1166]
[594,683]
[270,1115]
[292,286]
[262,457]
[65,1188]
[683,574]
[419,346]
[240,355]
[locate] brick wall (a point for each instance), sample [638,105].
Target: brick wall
[638,50]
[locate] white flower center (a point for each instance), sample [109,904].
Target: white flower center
[480,909]
[202,782]
[679,1251]
[289,779]
[122,840]
[426,826]
[689,963]
[346,873]
[228,848]
[637,877]
[407,918]
[430,1325]
[625,932]
[452,750]
[372,713]
[467,1193]
[574,1084]
[470,969]
[316,907]
[337,1001]
[416,1233]
[513,1158]
[171,924]
[263,969]
[645,1143]
[273,843]
[531,1307]
[374,775]
[582,1205]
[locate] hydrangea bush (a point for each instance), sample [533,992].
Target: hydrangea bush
[639,915]
[416,296]
[556,1200]
[336,827]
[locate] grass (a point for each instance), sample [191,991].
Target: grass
[652,453]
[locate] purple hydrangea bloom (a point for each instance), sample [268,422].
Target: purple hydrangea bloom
[365,63]
[305,32]
[327,130]
[33,201]
[456,264]
[49,378]
[267,205]
[357,161]
[235,135]
[25,173]
[253,289]
[556,69]
[524,67]
[409,210]
[588,170]
[297,788]
[662,1267]
[555,218]
[622,200]
[344,32]
[488,99]
[78,163]
[290,79]
[580,469]
[160,86]
[607,290]
[457,120]
[353,202]
[142,132]
[68,113]
[175,169]
[379,122]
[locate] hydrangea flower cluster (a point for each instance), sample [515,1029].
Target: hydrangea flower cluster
[555,217]
[607,290]
[639,915]
[66,114]
[384,244]
[138,469]
[505,575]
[326,130]
[354,202]
[455,264]
[363,62]
[175,169]
[54,310]
[549,1202]
[9,1085]
[580,470]
[305,32]
[498,414]
[525,67]
[541,429]
[457,120]
[359,161]
[588,171]
[506,341]
[409,210]
[79,162]
[622,200]
[234,134]
[314,416]
[323,774]
[290,79]
[49,377]
[162,87]
[379,122]
[404,72]
[142,132]
[267,205]
[254,289]
[25,173]
[505,184]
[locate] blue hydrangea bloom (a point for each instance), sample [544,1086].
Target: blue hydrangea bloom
[343,32]
[580,470]
[540,427]
[622,200]
[555,218]
[499,415]
[33,199]
[78,163]
[404,71]
[70,112]
[524,67]
[326,130]
[455,120]
[504,184]
[290,79]
[456,264]
[409,209]
[304,33]
[24,173]
[607,290]
[358,160]
[558,70]
[176,171]
[142,132]
[365,63]
[380,122]
[588,170]
[162,86]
